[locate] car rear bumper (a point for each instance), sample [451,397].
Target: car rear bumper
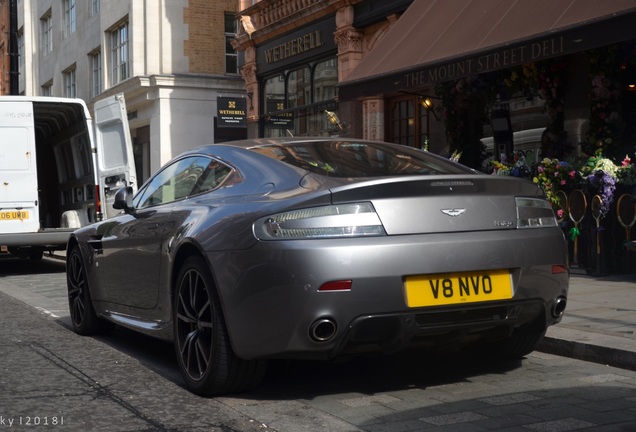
[272,299]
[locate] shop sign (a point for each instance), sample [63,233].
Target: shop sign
[231,112]
[276,119]
[290,48]
[297,46]
[501,59]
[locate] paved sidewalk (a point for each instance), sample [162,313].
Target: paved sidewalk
[599,324]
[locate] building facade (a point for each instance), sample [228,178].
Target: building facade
[294,55]
[534,88]
[391,70]
[171,59]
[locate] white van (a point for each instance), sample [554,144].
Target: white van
[59,169]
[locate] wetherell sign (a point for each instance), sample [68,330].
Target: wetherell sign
[231,112]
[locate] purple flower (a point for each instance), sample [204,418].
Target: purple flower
[605,185]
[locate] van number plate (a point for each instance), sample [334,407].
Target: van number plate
[14,215]
[457,288]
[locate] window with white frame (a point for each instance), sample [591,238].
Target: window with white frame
[69,17]
[46,25]
[95,61]
[231,58]
[70,89]
[46,88]
[120,59]
[94,7]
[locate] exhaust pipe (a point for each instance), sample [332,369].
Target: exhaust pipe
[323,329]
[558,307]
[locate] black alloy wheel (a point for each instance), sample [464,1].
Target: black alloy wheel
[205,356]
[85,320]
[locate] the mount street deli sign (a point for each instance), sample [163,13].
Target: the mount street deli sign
[449,70]
[231,112]
[501,59]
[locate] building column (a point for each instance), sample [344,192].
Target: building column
[349,41]
[248,71]
[373,118]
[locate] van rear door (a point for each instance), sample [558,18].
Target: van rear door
[19,211]
[115,161]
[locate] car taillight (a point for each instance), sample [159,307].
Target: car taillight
[342,220]
[534,213]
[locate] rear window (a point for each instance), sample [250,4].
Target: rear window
[360,159]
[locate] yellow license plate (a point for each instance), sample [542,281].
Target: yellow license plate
[14,215]
[457,288]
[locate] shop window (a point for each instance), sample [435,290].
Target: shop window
[403,122]
[298,88]
[274,88]
[325,80]
[295,101]
[409,122]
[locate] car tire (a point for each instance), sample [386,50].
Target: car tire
[85,320]
[202,344]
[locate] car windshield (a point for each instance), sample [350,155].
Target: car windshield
[359,159]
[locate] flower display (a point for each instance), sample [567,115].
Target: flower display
[518,167]
[552,175]
[604,184]
[626,173]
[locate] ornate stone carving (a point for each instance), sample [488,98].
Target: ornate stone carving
[348,40]
[248,72]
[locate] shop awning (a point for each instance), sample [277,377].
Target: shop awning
[441,40]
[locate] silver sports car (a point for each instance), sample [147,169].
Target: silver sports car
[318,248]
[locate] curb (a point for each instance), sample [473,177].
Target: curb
[592,353]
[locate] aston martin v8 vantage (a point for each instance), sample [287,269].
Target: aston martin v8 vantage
[319,248]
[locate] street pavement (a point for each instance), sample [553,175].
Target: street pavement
[48,376]
[599,323]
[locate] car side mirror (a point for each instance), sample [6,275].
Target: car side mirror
[124,199]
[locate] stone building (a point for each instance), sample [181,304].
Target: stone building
[171,59]
[294,55]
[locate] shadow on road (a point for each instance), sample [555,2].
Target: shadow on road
[298,379]
[10,265]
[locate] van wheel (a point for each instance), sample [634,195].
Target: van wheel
[85,320]
[202,344]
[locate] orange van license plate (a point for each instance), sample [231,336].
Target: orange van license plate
[457,288]
[14,215]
